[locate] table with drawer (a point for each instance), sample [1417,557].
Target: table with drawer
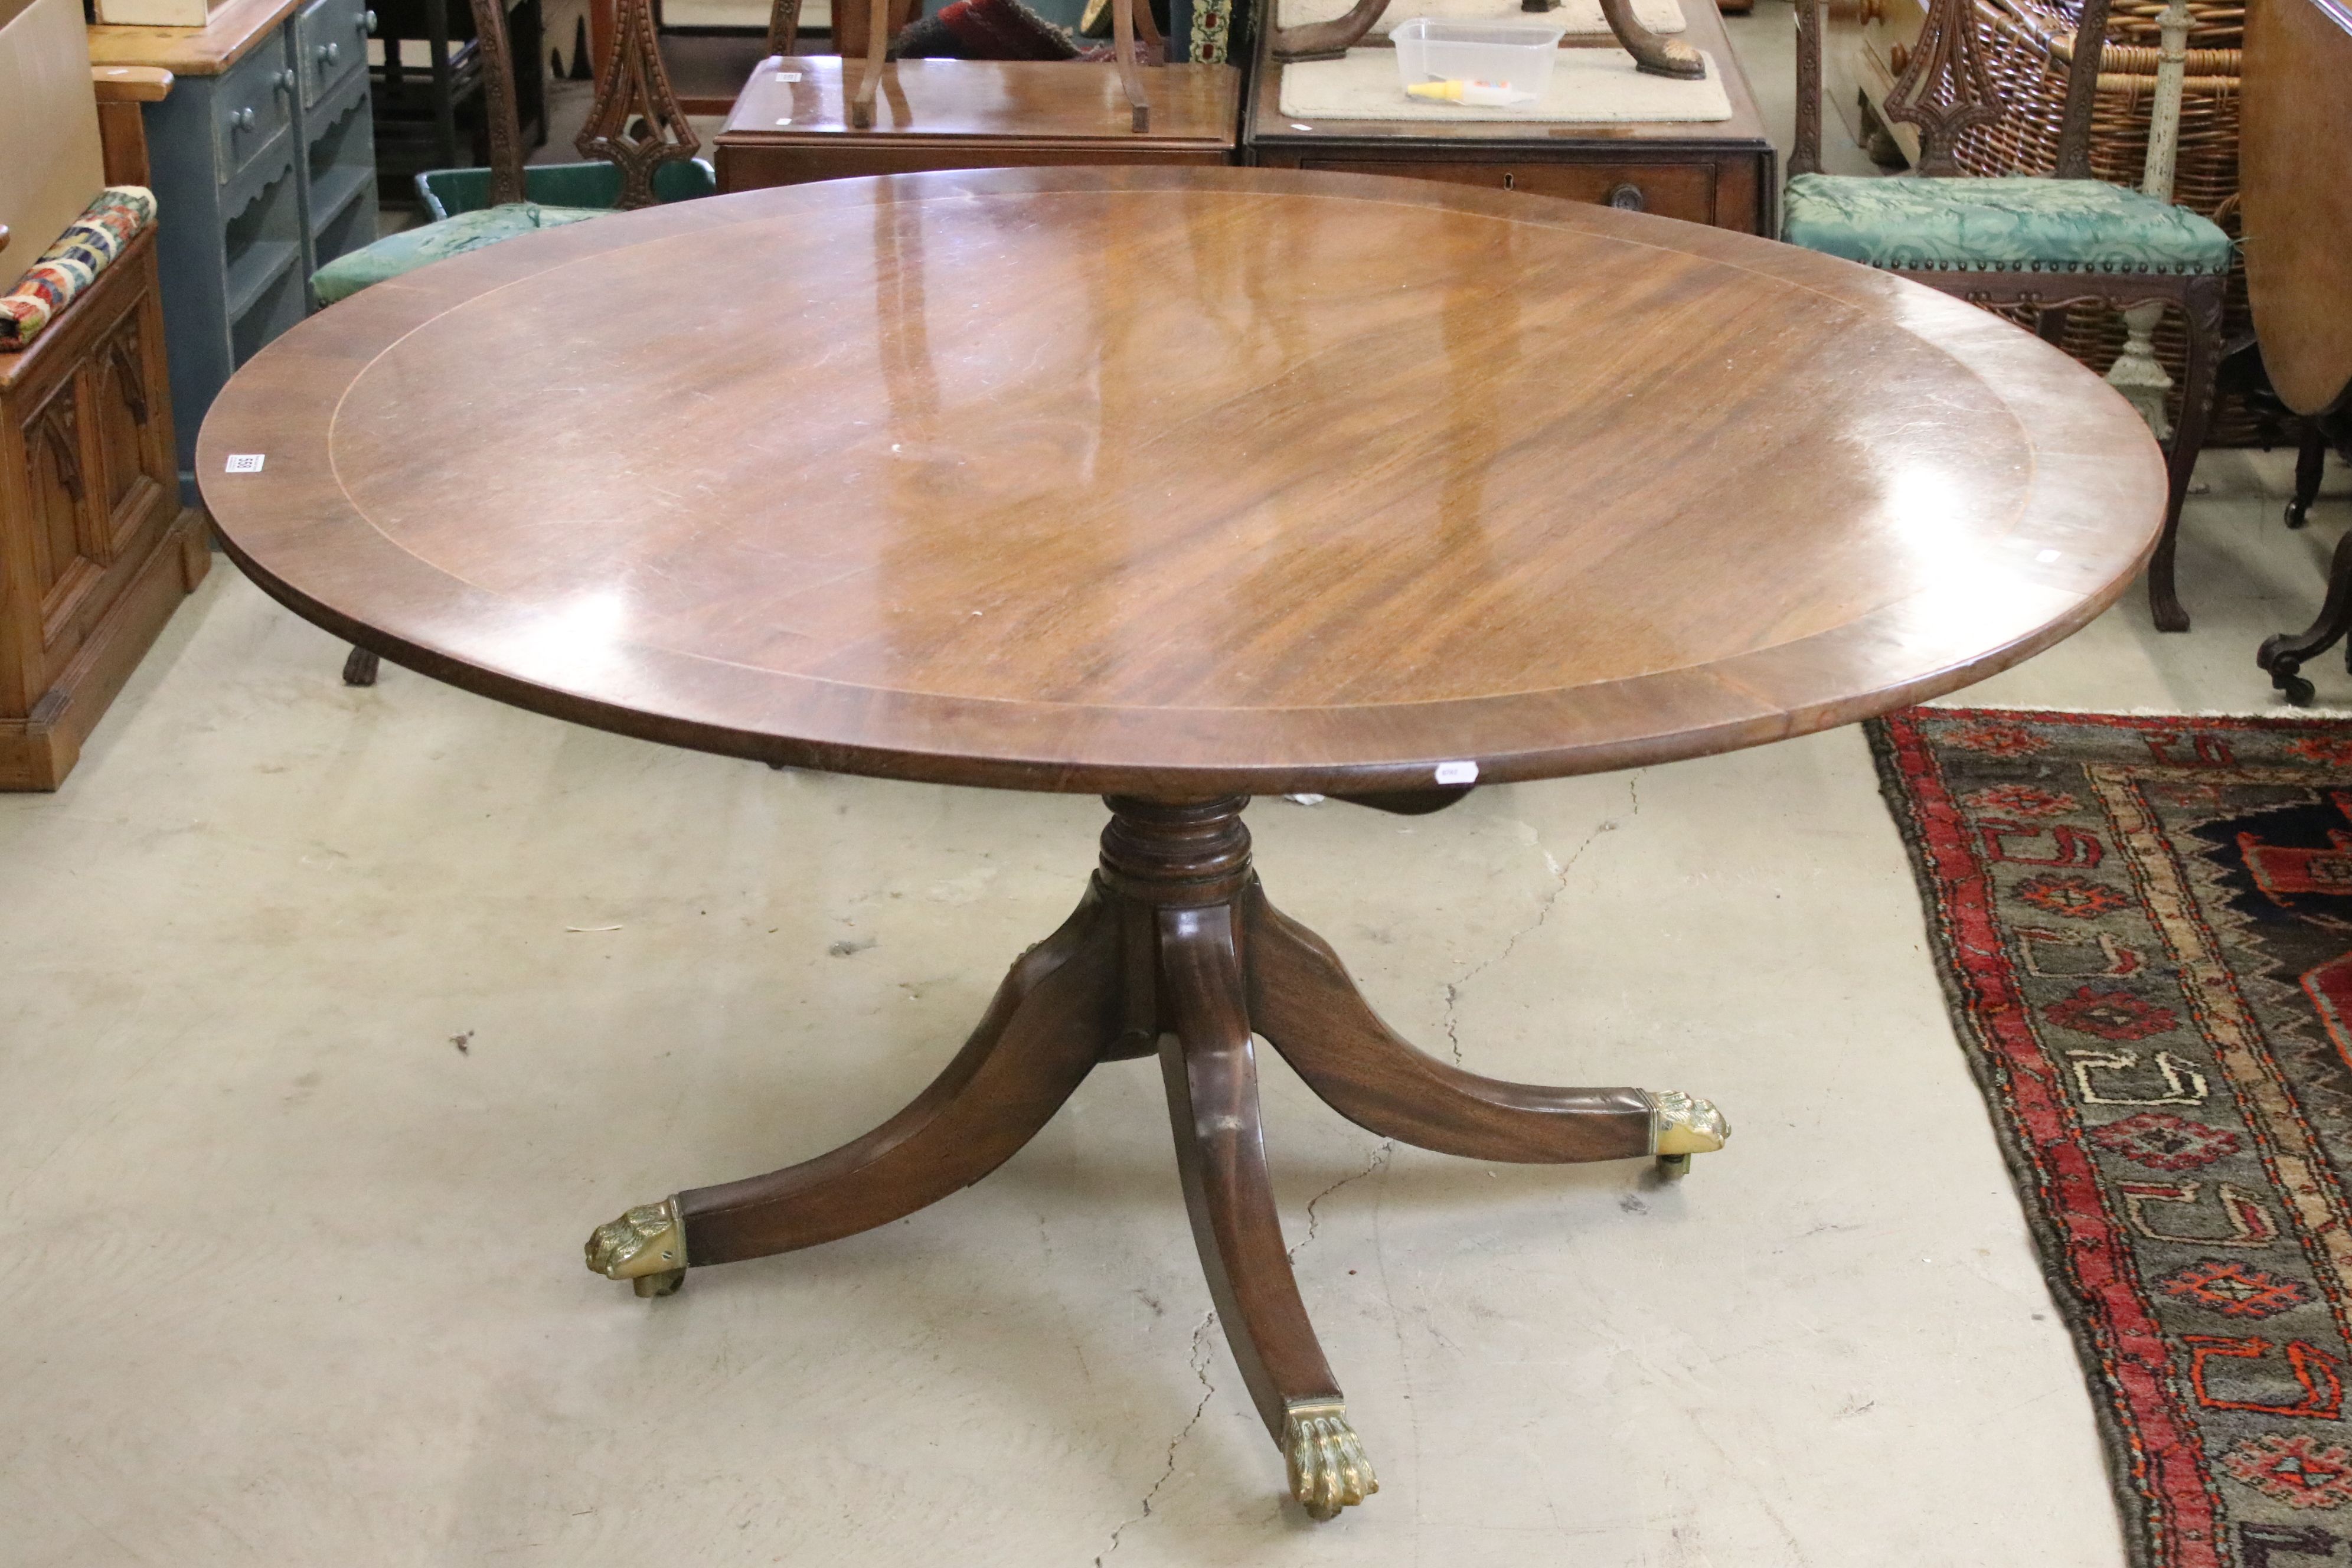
[1722,173]
[263,161]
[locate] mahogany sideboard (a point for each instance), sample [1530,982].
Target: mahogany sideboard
[1723,173]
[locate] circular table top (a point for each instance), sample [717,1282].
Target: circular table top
[1179,482]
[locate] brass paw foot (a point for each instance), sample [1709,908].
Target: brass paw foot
[645,1246]
[1328,1468]
[1681,1126]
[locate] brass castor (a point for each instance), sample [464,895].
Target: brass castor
[1681,1126]
[1328,1468]
[645,1247]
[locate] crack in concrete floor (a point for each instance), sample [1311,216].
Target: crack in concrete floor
[1208,1392]
[1560,874]
[1377,1162]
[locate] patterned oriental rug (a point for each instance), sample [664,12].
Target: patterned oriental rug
[2145,931]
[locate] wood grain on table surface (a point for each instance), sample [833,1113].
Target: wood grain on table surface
[1187,480]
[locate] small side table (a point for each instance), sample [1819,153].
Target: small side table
[263,162]
[791,122]
[1720,172]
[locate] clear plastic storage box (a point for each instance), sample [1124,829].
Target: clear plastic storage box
[1517,54]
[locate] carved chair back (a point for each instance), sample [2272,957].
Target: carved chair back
[784,26]
[1945,87]
[635,123]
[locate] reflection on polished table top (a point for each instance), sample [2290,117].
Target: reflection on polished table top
[1181,484]
[1198,481]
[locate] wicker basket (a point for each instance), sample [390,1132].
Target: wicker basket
[2028,45]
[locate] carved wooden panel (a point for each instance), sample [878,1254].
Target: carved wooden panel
[1946,85]
[57,482]
[95,548]
[498,91]
[635,123]
[123,418]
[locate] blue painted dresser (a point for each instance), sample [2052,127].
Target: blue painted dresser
[263,162]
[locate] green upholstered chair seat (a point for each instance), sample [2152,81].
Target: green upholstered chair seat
[458,201]
[447,191]
[2012,223]
[411,248]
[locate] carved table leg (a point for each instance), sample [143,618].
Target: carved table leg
[1174,949]
[360,667]
[2285,655]
[1049,1024]
[1211,1075]
[1303,1002]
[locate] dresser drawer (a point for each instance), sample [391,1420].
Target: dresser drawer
[330,44]
[251,104]
[1671,190]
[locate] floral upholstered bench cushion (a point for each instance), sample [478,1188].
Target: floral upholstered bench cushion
[411,248]
[2014,224]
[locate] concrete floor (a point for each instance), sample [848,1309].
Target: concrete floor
[336,1019]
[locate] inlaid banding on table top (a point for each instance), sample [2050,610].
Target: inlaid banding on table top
[836,538]
[1231,465]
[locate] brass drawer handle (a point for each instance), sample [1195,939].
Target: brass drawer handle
[243,119]
[1873,11]
[1626,197]
[1898,58]
[367,21]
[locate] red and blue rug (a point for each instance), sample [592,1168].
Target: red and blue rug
[2145,928]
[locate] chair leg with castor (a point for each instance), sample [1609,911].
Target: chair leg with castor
[2285,655]
[2202,307]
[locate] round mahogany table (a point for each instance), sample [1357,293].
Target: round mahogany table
[1179,486]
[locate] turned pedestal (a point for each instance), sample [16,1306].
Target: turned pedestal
[1173,951]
